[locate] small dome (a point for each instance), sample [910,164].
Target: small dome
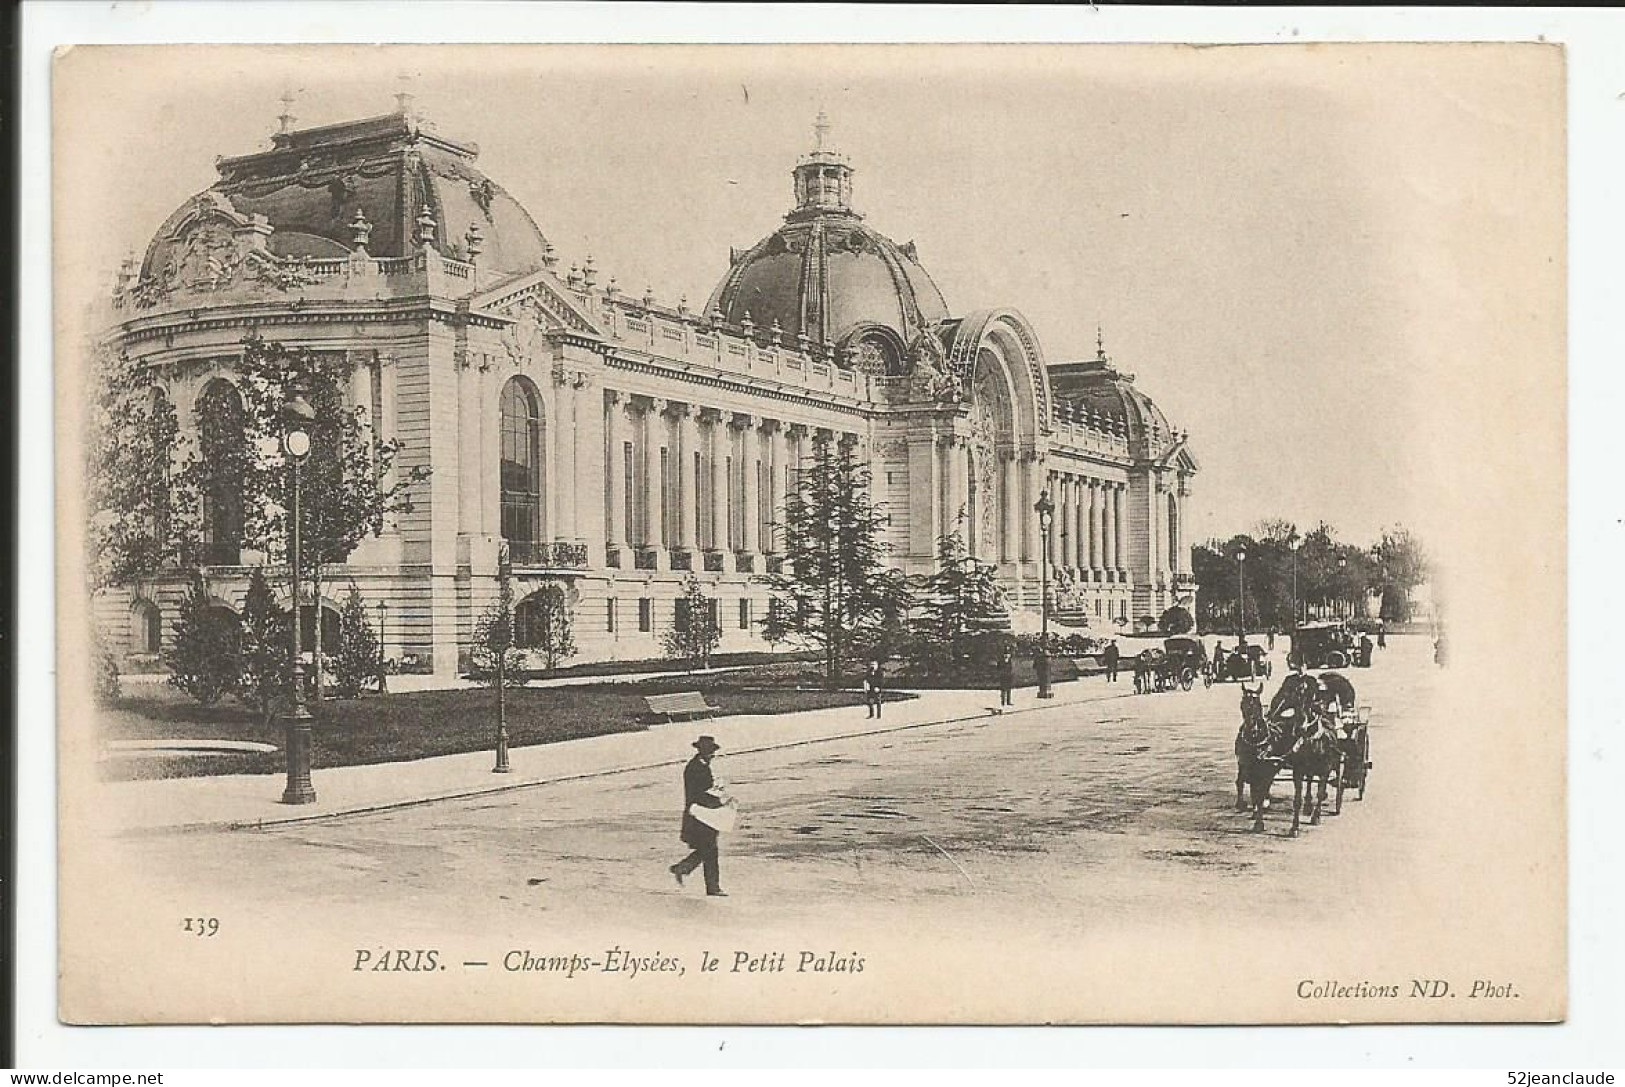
[313,182]
[826,275]
[1096,388]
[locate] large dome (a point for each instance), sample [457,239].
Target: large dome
[827,276]
[313,182]
[1095,390]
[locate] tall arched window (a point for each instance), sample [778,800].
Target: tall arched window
[521,469]
[220,432]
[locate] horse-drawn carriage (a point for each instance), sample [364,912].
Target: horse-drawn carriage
[1314,733]
[1184,658]
[1245,662]
[1330,645]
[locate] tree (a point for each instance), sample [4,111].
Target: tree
[141,517]
[832,593]
[1402,565]
[147,480]
[959,604]
[266,651]
[545,625]
[696,632]
[494,659]
[203,655]
[106,679]
[355,660]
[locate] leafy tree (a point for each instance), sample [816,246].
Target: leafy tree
[1402,564]
[832,592]
[203,655]
[106,689]
[355,659]
[696,633]
[266,651]
[1176,620]
[494,642]
[548,628]
[141,517]
[959,604]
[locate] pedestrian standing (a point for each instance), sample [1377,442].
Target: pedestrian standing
[1382,634]
[872,688]
[1272,639]
[699,792]
[1110,657]
[1007,677]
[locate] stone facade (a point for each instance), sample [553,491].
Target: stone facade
[619,443]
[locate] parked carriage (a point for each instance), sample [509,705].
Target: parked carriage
[1243,663]
[1326,645]
[1183,660]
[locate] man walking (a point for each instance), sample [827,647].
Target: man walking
[1007,677]
[698,785]
[1110,658]
[871,687]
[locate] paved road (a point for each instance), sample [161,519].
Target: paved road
[1101,809]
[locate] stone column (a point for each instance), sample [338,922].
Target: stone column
[1094,527]
[958,485]
[564,439]
[718,506]
[616,531]
[1068,523]
[591,481]
[1108,519]
[775,460]
[1010,544]
[1032,475]
[925,497]
[687,480]
[749,478]
[1117,524]
[1080,522]
[653,436]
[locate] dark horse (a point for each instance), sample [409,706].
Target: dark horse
[1258,752]
[1314,756]
[1299,734]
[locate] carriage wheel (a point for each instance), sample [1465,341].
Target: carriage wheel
[1187,679]
[1336,659]
[1342,776]
[1365,762]
[1207,677]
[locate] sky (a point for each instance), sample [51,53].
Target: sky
[1302,253]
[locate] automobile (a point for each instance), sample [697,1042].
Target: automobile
[1327,644]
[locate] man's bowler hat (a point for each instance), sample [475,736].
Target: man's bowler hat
[707,745]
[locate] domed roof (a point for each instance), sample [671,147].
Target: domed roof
[824,273]
[313,182]
[1096,388]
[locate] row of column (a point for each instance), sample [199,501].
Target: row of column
[1090,529]
[720,476]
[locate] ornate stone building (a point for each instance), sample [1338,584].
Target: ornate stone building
[618,443]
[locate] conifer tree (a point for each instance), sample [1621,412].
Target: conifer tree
[697,633]
[203,656]
[266,650]
[355,658]
[833,593]
[958,602]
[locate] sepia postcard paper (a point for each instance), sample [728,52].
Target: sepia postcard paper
[811,534]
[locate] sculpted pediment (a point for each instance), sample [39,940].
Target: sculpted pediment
[536,303]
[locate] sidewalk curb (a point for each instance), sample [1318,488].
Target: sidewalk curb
[466,794]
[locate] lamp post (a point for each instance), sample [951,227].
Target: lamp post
[1294,545]
[297,416]
[504,640]
[1241,597]
[1046,518]
[383,669]
[1342,566]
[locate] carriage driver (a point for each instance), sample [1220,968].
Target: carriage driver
[1299,688]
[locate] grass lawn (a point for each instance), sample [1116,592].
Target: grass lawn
[401,727]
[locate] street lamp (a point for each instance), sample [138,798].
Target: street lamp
[1241,597]
[1046,518]
[504,640]
[1294,545]
[297,415]
[383,667]
[1342,588]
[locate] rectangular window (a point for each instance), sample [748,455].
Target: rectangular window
[891,477]
[1097,608]
[714,614]
[680,620]
[646,614]
[630,493]
[744,613]
[665,497]
[610,615]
